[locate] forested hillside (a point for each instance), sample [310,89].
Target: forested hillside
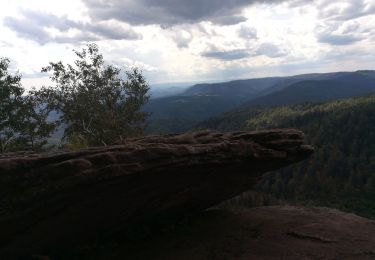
[342,171]
[182,112]
[179,113]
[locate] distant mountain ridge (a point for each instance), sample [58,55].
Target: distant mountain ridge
[202,101]
[232,88]
[343,85]
[264,85]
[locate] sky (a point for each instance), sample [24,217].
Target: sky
[175,41]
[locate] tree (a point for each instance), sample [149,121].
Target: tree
[35,126]
[96,105]
[10,102]
[23,122]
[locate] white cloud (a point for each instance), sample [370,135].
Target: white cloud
[181,41]
[248,33]
[166,12]
[43,27]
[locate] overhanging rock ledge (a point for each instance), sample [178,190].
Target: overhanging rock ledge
[55,201]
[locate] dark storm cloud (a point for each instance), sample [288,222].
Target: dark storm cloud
[338,39]
[111,31]
[267,49]
[228,20]
[227,55]
[47,19]
[170,12]
[34,25]
[27,30]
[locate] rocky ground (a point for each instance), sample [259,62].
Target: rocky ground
[148,199]
[277,232]
[52,203]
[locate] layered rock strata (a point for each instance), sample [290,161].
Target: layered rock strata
[54,201]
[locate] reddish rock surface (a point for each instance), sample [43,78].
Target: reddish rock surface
[57,201]
[265,233]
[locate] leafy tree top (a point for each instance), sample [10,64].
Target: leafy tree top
[98,103]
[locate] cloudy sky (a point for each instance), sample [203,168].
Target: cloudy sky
[192,40]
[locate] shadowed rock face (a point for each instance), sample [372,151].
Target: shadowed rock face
[56,201]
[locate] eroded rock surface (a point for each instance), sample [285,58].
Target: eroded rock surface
[56,201]
[265,233]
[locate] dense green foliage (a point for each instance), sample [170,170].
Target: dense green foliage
[92,103]
[342,171]
[23,118]
[96,105]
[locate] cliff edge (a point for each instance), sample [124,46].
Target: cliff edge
[51,202]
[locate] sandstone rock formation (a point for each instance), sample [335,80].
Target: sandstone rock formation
[265,233]
[54,201]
